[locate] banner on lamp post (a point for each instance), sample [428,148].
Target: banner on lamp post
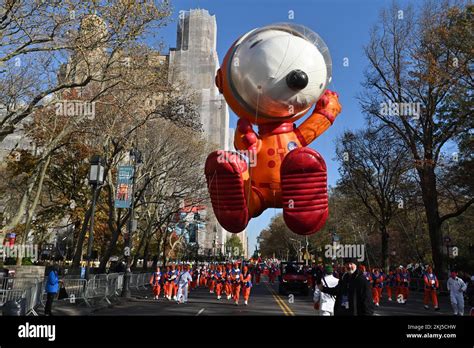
[123,197]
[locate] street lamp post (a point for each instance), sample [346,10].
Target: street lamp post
[96,179]
[135,155]
[307,251]
[299,248]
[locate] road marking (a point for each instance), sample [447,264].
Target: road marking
[202,310]
[281,302]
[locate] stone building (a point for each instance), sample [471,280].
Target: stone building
[194,62]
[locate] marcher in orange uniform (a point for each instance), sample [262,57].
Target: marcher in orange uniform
[167,282]
[397,283]
[403,280]
[155,282]
[202,277]
[247,284]
[431,286]
[173,290]
[211,279]
[228,283]
[391,284]
[220,281]
[236,278]
[377,284]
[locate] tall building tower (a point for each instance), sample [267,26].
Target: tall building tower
[194,63]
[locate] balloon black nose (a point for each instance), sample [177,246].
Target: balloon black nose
[297,79]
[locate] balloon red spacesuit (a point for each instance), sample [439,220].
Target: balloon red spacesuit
[271,77]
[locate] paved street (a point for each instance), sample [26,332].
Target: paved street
[264,300]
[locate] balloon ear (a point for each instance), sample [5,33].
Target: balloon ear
[219,80]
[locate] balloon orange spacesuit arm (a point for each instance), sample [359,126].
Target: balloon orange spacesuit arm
[245,138]
[322,118]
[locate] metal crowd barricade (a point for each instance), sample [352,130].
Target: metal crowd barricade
[12,283]
[97,287]
[31,293]
[112,285]
[119,284]
[140,280]
[133,280]
[146,279]
[102,287]
[33,297]
[8,295]
[76,290]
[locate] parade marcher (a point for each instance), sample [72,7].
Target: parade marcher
[220,281]
[272,274]
[377,285]
[398,288]
[391,284]
[403,282]
[365,273]
[228,283]
[170,279]
[236,278]
[177,273]
[247,284]
[166,282]
[52,288]
[258,273]
[183,284]
[315,276]
[211,281]
[456,288]
[155,283]
[431,286]
[324,302]
[353,295]
[383,283]
[195,276]
[202,277]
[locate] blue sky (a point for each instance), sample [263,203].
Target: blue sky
[343,24]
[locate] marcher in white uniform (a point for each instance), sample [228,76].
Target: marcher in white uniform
[326,301]
[183,284]
[456,288]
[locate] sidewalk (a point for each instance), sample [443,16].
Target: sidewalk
[65,308]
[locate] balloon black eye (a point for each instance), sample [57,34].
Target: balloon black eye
[297,80]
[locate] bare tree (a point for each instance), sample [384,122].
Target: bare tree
[373,164]
[39,36]
[419,83]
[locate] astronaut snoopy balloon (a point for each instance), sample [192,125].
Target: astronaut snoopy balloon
[271,77]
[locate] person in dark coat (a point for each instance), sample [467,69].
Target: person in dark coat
[353,293]
[52,288]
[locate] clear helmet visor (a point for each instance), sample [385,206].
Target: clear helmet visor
[279,70]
